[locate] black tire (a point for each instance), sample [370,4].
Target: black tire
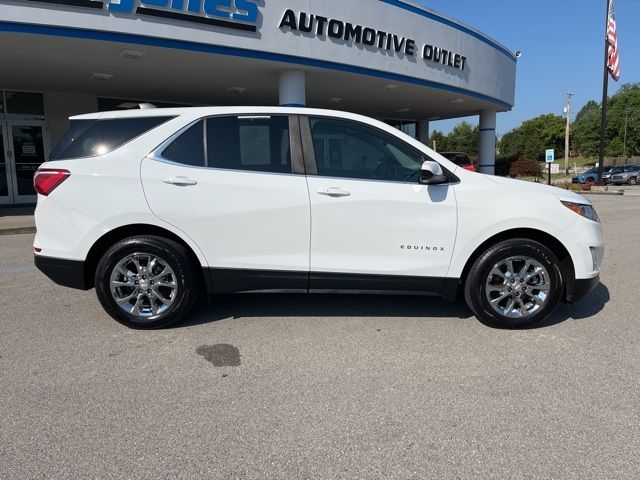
[184,295]
[475,288]
[633,181]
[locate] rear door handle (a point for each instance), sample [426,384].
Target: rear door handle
[180,181]
[333,192]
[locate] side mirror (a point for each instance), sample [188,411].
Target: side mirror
[431,173]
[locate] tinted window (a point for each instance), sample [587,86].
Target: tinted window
[103,136]
[25,106]
[76,127]
[351,150]
[188,147]
[256,143]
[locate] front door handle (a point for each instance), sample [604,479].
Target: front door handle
[180,181]
[333,192]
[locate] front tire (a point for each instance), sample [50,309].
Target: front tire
[633,181]
[515,284]
[146,282]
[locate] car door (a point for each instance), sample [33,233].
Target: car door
[236,186]
[374,227]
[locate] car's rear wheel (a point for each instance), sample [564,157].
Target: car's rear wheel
[146,282]
[516,283]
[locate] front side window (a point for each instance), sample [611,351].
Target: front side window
[351,150]
[251,143]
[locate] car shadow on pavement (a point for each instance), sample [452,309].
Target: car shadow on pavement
[586,307]
[362,305]
[324,305]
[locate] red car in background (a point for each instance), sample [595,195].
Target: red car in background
[460,159]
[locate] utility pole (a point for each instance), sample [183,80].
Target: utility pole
[626,121]
[567,111]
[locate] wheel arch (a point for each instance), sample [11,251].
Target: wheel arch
[567,268]
[101,245]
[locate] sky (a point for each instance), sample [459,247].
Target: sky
[562,44]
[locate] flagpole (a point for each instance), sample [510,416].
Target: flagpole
[605,96]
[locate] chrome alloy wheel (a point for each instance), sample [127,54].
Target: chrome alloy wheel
[143,285]
[518,287]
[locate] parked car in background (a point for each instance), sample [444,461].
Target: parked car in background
[460,159]
[591,175]
[628,175]
[606,176]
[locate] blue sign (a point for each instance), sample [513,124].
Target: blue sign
[550,156]
[235,14]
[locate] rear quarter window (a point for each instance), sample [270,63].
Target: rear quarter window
[89,138]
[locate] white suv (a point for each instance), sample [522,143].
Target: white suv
[158,207]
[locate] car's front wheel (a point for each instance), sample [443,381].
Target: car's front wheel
[146,282]
[514,284]
[633,181]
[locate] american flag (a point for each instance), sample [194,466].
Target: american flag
[613,62]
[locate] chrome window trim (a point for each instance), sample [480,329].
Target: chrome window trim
[156,158]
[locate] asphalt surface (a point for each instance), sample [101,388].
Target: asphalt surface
[329,387]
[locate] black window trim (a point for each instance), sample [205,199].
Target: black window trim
[311,165]
[297,165]
[95,120]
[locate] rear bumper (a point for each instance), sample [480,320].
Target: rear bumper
[581,288]
[68,273]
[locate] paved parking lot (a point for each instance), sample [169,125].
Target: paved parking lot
[329,387]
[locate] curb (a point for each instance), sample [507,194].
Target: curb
[618,192]
[17,231]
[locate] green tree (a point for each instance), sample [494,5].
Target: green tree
[586,130]
[623,113]
[440,139]
[533,137]
[464,138]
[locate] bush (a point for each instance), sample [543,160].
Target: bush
[574,186]
[503,165]
[523,168]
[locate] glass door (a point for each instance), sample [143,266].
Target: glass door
[6,184]
[28,150]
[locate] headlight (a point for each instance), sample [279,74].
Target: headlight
[586,211]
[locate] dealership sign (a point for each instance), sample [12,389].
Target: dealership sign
[233,14]
[353,33]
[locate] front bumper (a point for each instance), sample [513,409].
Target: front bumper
[68,273]
[580,288]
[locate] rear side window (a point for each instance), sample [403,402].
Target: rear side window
[88,138]
[253,143]
[188,147]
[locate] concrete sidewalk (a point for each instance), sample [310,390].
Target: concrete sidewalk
[15,220]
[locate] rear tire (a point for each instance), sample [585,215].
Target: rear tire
[515,284]
[146,282]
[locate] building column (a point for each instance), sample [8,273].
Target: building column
[423,131]
[488,142]
[292,88]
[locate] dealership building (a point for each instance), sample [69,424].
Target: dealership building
[394,60]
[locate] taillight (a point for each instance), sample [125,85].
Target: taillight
[471,168]
[46,180]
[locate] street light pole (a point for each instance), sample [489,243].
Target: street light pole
[626,121]
[567,111]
